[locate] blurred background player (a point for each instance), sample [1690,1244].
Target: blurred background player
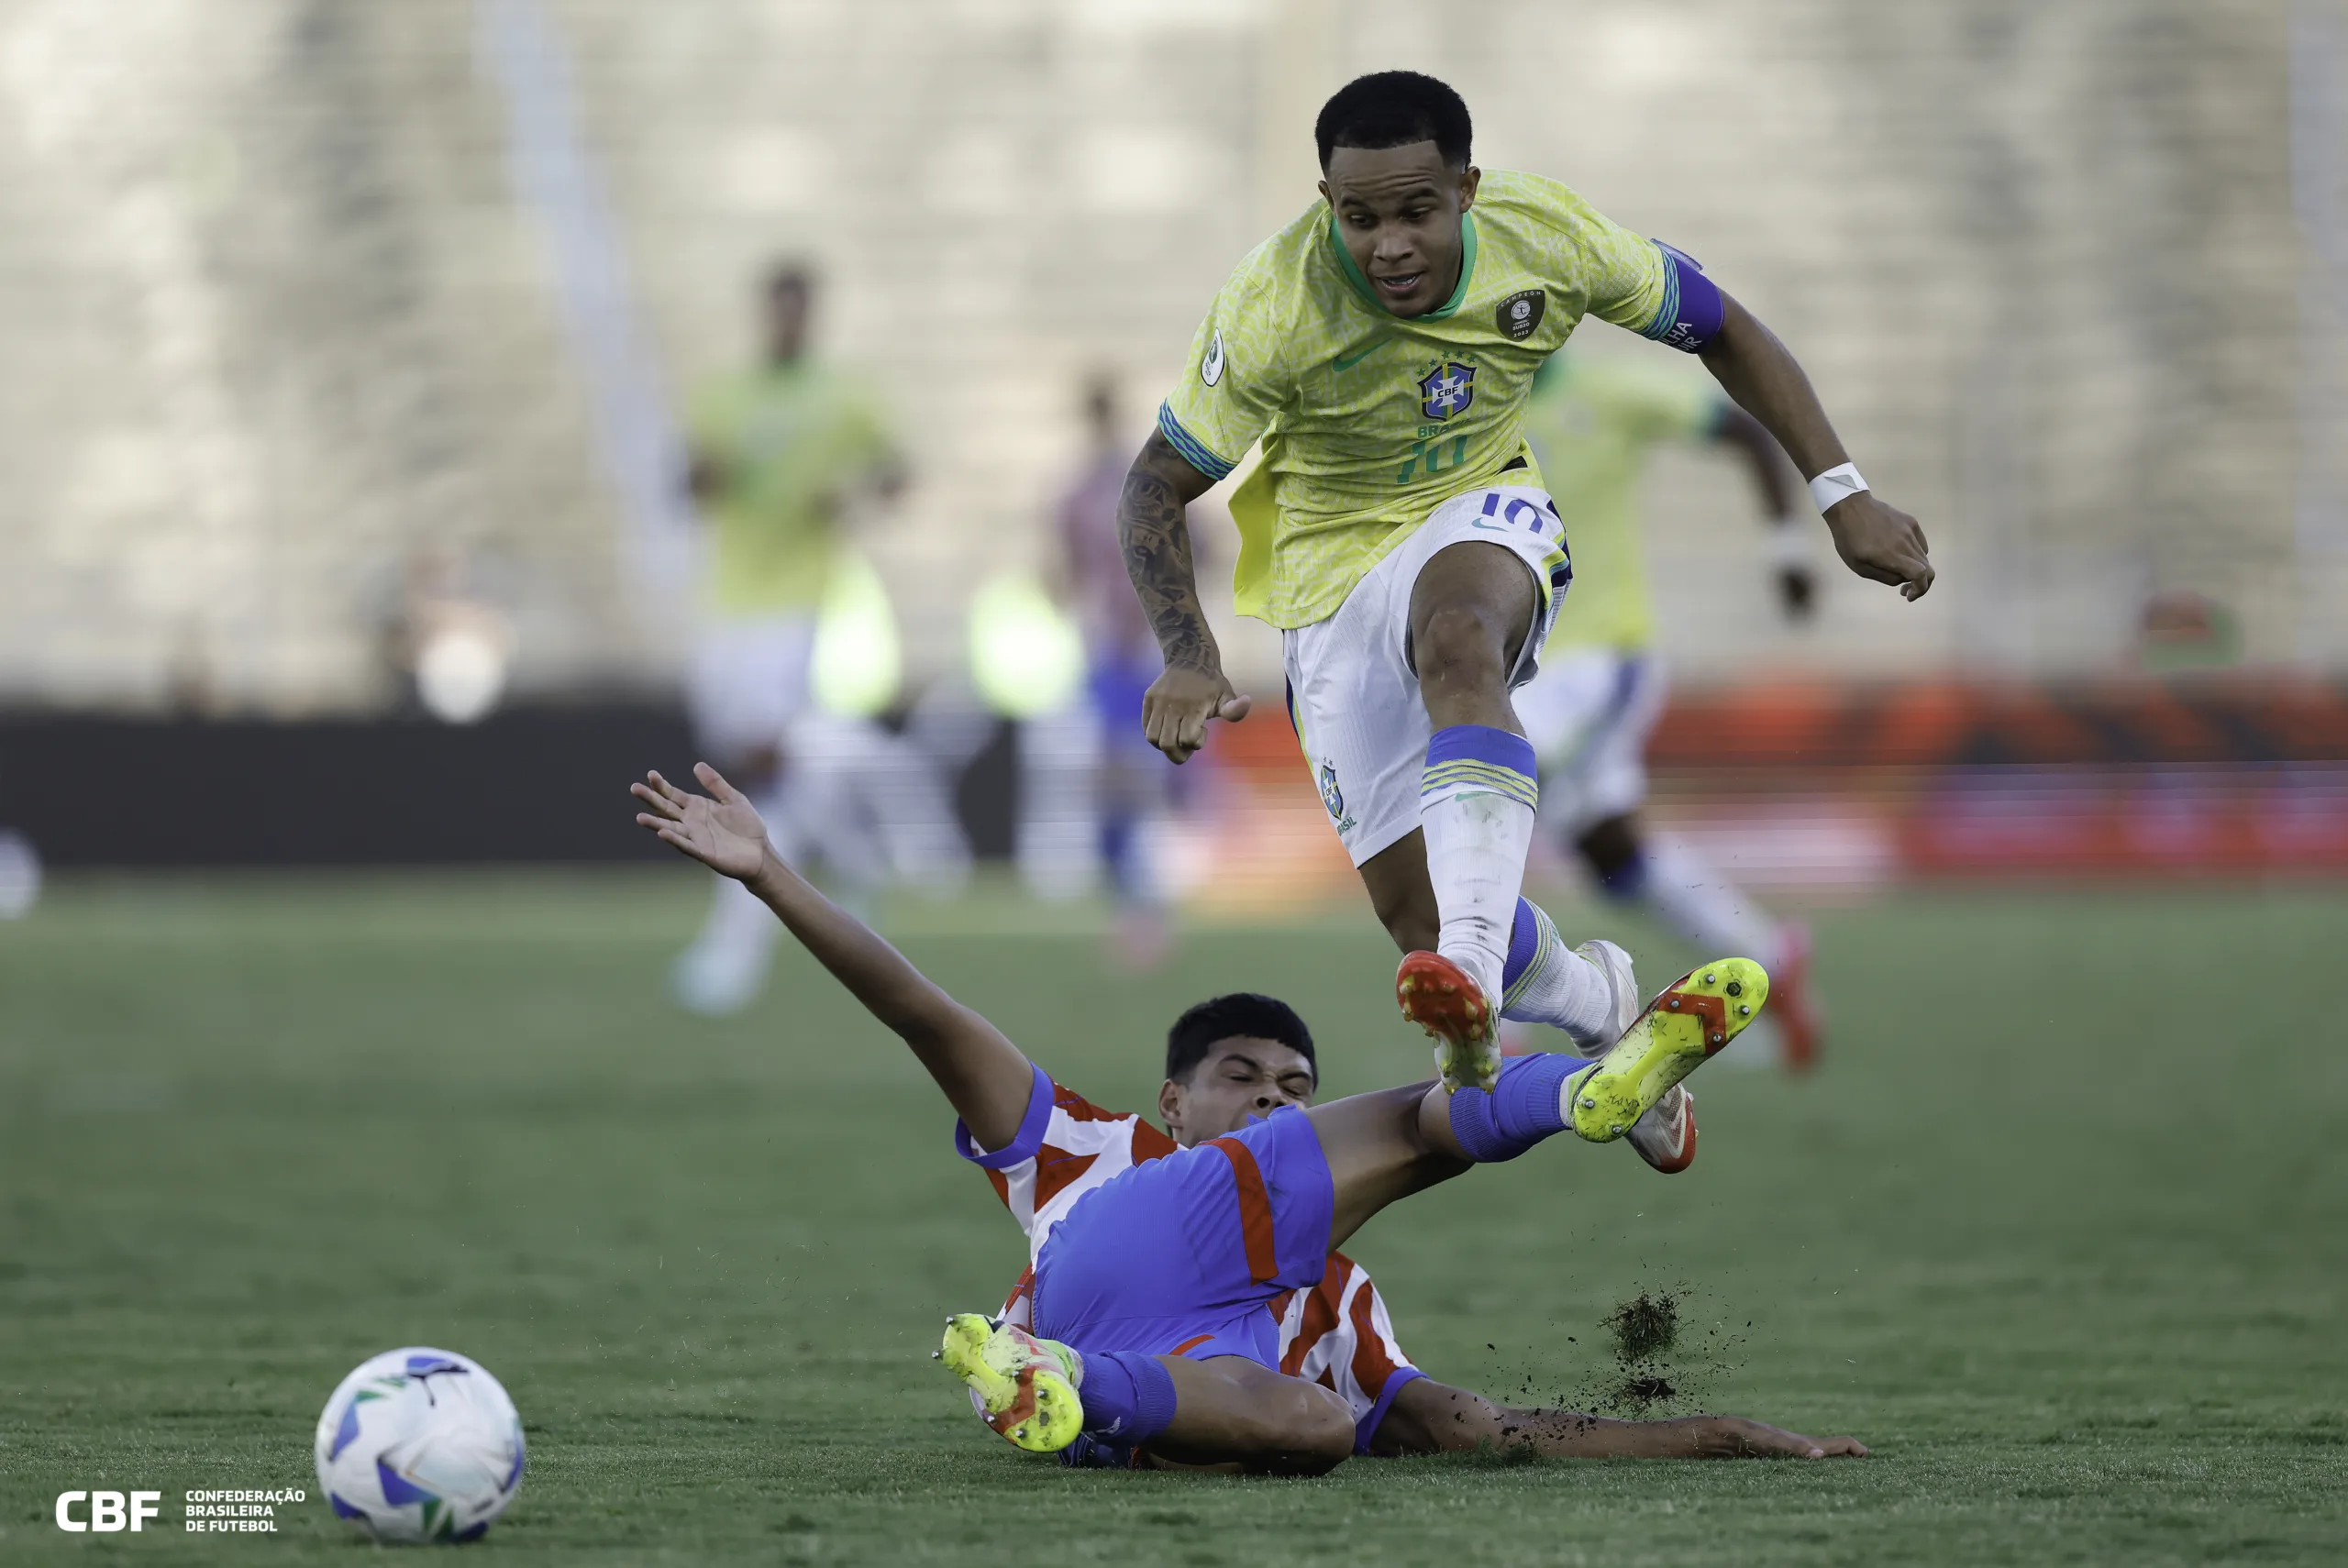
[1130,782]
[779,451]
[1593,423]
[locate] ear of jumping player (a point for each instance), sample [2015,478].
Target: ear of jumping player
[722,829]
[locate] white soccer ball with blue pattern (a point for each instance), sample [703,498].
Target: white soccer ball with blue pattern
[420,1444]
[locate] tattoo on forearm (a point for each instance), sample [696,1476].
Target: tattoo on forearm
[1156,536]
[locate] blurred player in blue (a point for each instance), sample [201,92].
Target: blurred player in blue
[1132,787]
[1182,1283]
[1592,424]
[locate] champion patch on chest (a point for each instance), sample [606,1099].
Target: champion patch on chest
[1519,315]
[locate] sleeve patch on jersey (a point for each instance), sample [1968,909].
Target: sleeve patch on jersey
[1692,311]
[1195,452]
[1032,1128]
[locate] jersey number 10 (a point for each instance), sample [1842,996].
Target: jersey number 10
[1430,453]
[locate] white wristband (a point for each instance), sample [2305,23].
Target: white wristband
[1838,483]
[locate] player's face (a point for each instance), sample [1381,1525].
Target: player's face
[1242,1076]
[1398,210]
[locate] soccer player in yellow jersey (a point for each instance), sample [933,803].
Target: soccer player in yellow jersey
[776,449]
[1381,346]
[1592,425]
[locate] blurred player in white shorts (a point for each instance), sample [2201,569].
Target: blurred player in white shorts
[777,450]
[1593,423]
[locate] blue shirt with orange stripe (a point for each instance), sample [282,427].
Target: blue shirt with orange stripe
[1217,1249]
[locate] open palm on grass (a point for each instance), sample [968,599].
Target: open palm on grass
[722,829]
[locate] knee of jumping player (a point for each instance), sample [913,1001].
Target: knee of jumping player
[1461,645]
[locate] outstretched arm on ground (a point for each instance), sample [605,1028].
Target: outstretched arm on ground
[1154,529]
[1428,1416]
[1875,540]
[985,1076]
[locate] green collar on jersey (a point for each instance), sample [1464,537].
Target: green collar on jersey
[1361,284]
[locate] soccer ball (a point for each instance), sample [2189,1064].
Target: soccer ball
[420,1444]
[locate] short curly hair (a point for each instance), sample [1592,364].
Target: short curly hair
[1395,108]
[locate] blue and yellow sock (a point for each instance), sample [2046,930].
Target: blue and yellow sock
[1524,1108]
[1547,982]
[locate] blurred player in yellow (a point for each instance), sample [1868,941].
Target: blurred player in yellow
[1382,348]
[1592,424]
[778,450]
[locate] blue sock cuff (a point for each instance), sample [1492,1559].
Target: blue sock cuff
[1520,1110]
[1523,944]
[1467,760]
[1482,743]
[1627,880]
[1128,1395]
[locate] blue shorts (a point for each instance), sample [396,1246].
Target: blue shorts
[1182,1256]
[1114,686]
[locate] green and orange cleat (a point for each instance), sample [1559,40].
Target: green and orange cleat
[1691,1020]
[1444,999]
[1025,1384]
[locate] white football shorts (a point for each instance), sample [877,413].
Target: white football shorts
[1589,714]
[748,683]
[1352,693]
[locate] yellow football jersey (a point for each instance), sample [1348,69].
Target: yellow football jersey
[787,440]
[1593,423]
[1371,419]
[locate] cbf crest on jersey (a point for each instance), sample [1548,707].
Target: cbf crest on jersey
[1446,390]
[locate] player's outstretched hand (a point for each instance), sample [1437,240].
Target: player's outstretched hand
[1734,1437]
[724,834]
[1175,711]
[1877,540]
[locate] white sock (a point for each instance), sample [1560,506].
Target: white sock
[1556,985]
[1704,906]
[1477,803]
[739,929]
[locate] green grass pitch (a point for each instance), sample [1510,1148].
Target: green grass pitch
[2059,1230]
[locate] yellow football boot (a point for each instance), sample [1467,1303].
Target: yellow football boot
[1025,1385]
[1692,1019]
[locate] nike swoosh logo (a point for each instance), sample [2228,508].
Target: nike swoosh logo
[1342,363]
